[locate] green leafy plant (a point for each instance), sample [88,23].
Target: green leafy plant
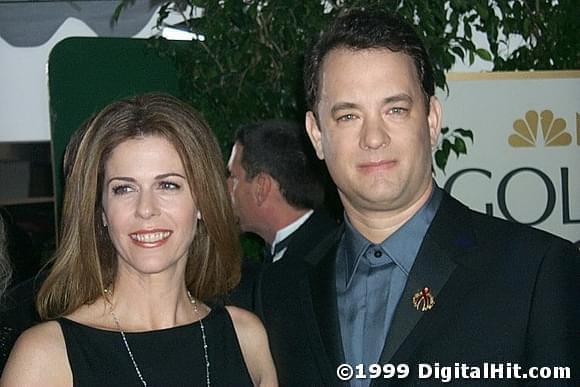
[451,141]
[248,67]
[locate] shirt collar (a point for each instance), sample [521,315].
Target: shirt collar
[402,246]
[283,233]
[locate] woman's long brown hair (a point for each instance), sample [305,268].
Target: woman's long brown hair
[85,262]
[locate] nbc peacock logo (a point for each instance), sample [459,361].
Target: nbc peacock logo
[526,130]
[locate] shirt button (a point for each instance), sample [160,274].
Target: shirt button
[378,254]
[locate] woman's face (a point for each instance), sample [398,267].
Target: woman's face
[148,208]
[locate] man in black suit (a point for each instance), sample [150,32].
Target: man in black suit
[277,192]
[413,278]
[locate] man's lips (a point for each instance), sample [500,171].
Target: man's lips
[376,166]
[150,238]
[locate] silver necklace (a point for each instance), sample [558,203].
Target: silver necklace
[137,370]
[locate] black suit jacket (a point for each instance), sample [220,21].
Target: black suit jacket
[244,294]
[307,236]
[300,242]
[503,293]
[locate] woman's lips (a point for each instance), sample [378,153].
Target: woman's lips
[150,238]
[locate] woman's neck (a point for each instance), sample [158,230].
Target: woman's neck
[150,306]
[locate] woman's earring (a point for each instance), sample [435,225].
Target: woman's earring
[198,215]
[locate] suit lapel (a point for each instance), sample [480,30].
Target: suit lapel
[320,308]
[310,234]
[431,269]
[449,236]
[448,241]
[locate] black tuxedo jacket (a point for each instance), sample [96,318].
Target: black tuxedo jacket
[300,242]
[503,293]
[307,236]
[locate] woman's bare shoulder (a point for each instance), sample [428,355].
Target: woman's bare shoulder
[244,319]
[38,358]
[44,338]
[254,344]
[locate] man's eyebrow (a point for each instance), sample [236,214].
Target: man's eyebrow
[343,106]
[402,97]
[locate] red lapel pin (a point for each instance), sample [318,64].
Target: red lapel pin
[423,300]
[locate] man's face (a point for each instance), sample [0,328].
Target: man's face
[241,190]
[373,129]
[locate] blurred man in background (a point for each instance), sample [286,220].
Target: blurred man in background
[277,191]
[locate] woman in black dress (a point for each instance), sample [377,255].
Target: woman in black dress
[147,243]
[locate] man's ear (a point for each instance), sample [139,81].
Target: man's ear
[262,187]
[434,120]
[314,134]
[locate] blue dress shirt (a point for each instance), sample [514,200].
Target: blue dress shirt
[370,279]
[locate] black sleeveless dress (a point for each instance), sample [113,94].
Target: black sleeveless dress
[166,357]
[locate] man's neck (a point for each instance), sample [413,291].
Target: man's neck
[283,220]
[376,226]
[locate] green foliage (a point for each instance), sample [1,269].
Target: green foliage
[549,31]
[451,141]
[249,65]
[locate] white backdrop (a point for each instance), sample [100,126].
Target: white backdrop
[524,164]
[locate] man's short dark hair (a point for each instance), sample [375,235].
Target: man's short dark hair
[280,149]
[362,30]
